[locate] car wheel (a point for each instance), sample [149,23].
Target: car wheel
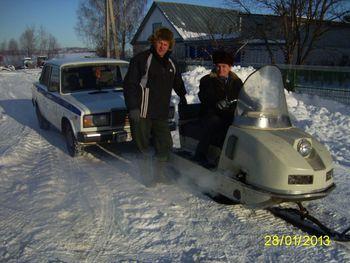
[43,123]
[73,148]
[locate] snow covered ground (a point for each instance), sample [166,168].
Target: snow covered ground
[94,209]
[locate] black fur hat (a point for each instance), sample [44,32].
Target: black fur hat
[222,57]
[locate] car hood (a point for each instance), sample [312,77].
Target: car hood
[97,102]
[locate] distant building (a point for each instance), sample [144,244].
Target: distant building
[199,30]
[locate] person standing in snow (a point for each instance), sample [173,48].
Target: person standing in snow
[151,77]
[218,92]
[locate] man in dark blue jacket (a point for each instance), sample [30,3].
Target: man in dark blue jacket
[151,77]
[218,93]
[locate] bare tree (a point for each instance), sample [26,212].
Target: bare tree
[43,39]
[13,49]
[301,23]
[127,11]
[90,25]
[28,41]
[91,22]
[3,47]
[52,46]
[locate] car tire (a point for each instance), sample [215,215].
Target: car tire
[73,148]
[43,123]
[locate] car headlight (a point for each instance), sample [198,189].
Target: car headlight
[304,147]
[96,120]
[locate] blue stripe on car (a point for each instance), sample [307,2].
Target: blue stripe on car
[58,100]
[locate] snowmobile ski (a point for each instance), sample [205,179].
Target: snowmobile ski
[302,219]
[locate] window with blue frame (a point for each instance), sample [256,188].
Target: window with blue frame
[200,52]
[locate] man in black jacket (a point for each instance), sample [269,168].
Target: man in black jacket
[218,92]
[151,77]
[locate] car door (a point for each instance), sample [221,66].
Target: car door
[42,100]
[53,105]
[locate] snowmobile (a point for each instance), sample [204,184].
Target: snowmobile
[263,159]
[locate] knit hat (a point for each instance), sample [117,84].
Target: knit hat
[222,57]
[163,33]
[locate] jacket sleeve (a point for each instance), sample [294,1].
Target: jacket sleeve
[179,85]
[206,94]
[238,85]
[131,85]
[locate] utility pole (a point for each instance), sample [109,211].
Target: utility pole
[108,52]
[114,32]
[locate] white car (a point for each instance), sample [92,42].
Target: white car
[84,100]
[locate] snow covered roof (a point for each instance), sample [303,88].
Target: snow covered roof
[200,20]
[194,22]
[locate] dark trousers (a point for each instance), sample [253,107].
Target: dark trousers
[213,125]
[158,130]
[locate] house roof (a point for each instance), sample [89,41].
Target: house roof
[203,19]
[196,22]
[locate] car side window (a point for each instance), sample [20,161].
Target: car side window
[123,70]
[45,76]
[118,76]
[54,79]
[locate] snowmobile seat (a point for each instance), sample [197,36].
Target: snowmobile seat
[190,124]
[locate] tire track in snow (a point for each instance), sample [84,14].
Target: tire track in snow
[150,228]
[139,224]
[104,215]
[36,187]
[38,182]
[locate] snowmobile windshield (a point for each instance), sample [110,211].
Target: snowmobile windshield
[261,102]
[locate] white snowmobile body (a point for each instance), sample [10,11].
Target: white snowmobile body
[264,160]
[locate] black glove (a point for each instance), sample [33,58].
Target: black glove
[222,104]
[183,100]
[225,104]
[134,115]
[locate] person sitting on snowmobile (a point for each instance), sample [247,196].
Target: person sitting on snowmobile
[218,92]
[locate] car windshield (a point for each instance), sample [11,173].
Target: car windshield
[92,77]
[261,102]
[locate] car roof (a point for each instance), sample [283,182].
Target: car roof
[74,61]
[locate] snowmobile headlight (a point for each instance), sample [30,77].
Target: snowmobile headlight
[304,147]
[96,120]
